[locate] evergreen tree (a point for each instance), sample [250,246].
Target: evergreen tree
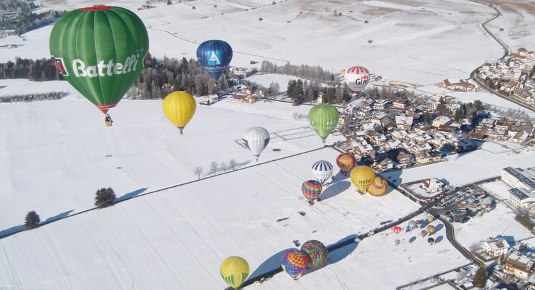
[32,220]
[457,116]
[104,197]
[480,279]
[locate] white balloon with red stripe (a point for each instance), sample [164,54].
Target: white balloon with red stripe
[357,78]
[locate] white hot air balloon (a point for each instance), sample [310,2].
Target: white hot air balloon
[256,139]
[357,78]
[322,170]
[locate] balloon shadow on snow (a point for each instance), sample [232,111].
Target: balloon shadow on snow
[334,189]
[130,195]
[11,231]
[268,268]
[412,239]
[439,239]
[393,176]
[57,217]
[439,227]
[340,176]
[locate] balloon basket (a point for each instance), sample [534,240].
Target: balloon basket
[108,123]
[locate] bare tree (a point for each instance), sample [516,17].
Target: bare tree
[198,171]
[213,167]
[223,166]
[232,163]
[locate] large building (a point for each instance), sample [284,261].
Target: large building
[522,193]
[519,265]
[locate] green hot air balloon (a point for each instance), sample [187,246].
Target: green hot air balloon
[323,118]
[100,50]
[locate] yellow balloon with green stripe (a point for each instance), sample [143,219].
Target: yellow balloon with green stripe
[234,270]
[179,108]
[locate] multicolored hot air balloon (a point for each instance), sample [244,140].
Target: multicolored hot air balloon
[214,56]
[345,162]
[317,253]
[323,118]
[311,189]
[378,187]
[99,50]
[322,170]
[256,139]
[179,108]
[362,176]
[357,78]
[294,262]
[234,270]
[431,229]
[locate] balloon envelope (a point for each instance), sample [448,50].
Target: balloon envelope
[294,262]
[362,176]
[317,253]
[214,56]
[378,187]
[431,229]
[99,50]
[322,170]
[346,161]
[412,225]
[311,189]
[179,108]
[234,270]
[256,139]
[323,118]
[357,78]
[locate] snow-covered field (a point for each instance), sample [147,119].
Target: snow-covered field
[54,155]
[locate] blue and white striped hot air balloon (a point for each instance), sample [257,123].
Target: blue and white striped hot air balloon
[256,139]
[322,170]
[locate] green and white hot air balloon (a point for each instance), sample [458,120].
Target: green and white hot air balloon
[100,50]
[323,118]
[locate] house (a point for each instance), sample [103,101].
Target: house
[399,103]
[520,197]
[425,157]
[403,122]
[519,265]
[405,159]
[458,86]
[432,185]
[495,247]
[442,120]
[519,178]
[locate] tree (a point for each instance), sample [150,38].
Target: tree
[427,118]
[232,163]
[32,220]
[213,167]
[104,197]
[198,171]
[223,165]
[480,278]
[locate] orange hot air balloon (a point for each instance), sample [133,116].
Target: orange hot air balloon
[346,161]
[378,187]
[362,176]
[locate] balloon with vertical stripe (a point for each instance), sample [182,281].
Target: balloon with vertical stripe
[234,270]
[179,108]
[322,170]
[311,189]
[316,251]
[214,56]
[323,118]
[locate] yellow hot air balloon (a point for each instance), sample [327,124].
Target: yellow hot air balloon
[430,218]
[378,187]
[234,270]
[362,176]
[179,108]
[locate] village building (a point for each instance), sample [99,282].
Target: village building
[432,185]
[458,86]
[495,247]
[520,198]
[519,178]
[519,265]
[442,120]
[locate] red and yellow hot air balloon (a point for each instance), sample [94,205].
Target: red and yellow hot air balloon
[378,187]
[294,262]
[362,176]
[345,162]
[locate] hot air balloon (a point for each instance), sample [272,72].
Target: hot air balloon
[357,78]
[431,229]
[256,139]
[397,229]
[99,50]
[346,161]
[397,242]
[430,218]
[294,262]
[362,176]
[431,241]
[323,118]
[214,56]
[234,270]
[317,253]
[378,187]
[412,225]
[423,233]
[179,108]
[311,189]
[322,170]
